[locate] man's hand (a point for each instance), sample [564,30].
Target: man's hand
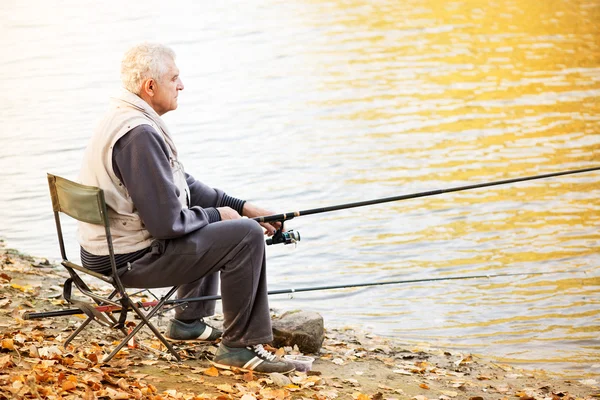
[251,211]
[228,213]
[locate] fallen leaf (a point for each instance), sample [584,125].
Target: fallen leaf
[424,386]
[524,396]
[6,361]
[464,360]
[122,383]
[49,352]
[280,379]
[226,388]
[68,385]
[212,371]
[8,344]
[80,365]
[248,376]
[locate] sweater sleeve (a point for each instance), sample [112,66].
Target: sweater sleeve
[141,162]
[204,196]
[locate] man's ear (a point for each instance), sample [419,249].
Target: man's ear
[148,87]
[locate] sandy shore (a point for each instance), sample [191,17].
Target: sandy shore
[350,365]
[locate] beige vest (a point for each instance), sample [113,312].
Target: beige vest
[129,234]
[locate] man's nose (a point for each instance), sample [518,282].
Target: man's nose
[180,85]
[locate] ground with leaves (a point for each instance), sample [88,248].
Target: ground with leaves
[351,365]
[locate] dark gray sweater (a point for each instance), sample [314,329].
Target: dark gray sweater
[141,162]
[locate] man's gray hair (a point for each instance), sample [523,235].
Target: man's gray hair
[144,61]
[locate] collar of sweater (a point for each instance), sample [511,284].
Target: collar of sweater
[127,99]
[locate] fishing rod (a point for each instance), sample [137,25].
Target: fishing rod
[175,302]
[289,237]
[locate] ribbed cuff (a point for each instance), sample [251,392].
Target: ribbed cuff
[236,204]
[213,215]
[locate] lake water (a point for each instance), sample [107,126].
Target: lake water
[302,104]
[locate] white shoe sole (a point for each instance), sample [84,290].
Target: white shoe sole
[200,341]
[232,368]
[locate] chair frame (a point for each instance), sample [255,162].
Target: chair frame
[87,204]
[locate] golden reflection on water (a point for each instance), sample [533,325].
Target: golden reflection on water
[456,92]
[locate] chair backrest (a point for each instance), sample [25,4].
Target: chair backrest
[84,203]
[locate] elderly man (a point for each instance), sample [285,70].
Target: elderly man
[170,229]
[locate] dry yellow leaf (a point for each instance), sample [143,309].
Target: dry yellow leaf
[249,376]
[212,371]
[122,383]
[8,344]
[226,373]
[226,388]
[89,394]
[424,386]
[80,365]
[278,394]
[68,385]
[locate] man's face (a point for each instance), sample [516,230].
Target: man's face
[167,89]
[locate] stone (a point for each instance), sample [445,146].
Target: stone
[301,328]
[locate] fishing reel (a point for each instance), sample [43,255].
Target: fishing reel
[285,237]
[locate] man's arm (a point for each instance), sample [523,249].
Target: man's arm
[205,196]
[141,162]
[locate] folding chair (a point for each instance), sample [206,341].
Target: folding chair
[87,204]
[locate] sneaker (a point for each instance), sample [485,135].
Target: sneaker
[197,330]
[252,358]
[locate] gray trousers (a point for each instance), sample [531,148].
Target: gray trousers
[236,249]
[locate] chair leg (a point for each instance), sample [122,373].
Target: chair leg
[90,319]
[146,321]
[77,331]
[156,331]
[86,323]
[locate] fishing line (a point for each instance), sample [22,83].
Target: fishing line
[111,308]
